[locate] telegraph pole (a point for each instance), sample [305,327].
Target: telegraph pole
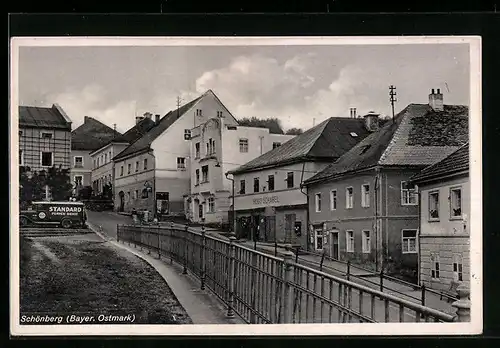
[179,100]
[392,99]
[114,130]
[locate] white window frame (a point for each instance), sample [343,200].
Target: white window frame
[74,161]
[319,233]
[211,205]
[45,132]
[365,201]
[244,186]
[349,236]
[458,267]
[145,164]
[429,195]
[317,202]
[197,151]
[435,261]
[333,200]
[456,217]
[187,134]
[181,165]
[258,185]
[349,203]
[78,176]
[205,178]
[366,241]
[409,195]
[243,144]
[51,159]
[406,241]
[196,177]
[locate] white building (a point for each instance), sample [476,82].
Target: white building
[218,146]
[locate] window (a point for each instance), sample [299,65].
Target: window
[78,180]
[204,174]
[318,234]
[409,241]
[349,199]
[458,274]
[349,241]
[105,158]
[366,245]
[317,202]
[435,266]
[21,157]
[145,164]
[270,182]
[408,193]
[145,193]
[256,185]
[187,134]
[200,211]
[199,112]
[197,177]
[456,202]
[219,113]
[78,161]
[365,195]
[181,163]
[333,200]
[289,180]
[20,133]
[129,168]
[434,206]
[276,144]
[46,135]
[121,170]
[95,163]
[197,150]
[211,204]
[242,187]
[243,145]
[210,147]
[47,159]
[136,166]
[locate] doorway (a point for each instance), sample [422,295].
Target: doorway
[289,227]
[335,245]
[122,201]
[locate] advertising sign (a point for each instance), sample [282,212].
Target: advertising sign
[61,210]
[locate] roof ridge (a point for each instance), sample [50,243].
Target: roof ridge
[399,117]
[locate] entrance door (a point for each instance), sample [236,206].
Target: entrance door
[318,239]
[335,245]
[271,228]
[289,227]
[255,227]
[122,201]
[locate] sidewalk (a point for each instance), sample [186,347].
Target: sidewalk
[201,305]
[360,276]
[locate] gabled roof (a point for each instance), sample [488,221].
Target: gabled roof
[43,117]
[418,136]
[327,141]
[456,163]
[144,142]
[91,135]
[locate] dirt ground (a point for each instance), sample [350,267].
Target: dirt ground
[83,275]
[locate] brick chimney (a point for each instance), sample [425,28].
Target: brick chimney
[371,121]
[86,119]
[436,100]
[157,118]
[148,115]
[352,112]
[138,119]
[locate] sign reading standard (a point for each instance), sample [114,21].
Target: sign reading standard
[266,200]
[64,210]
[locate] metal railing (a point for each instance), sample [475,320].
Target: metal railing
[262,288]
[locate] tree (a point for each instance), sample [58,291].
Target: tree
[294,131]
[32,184]
[59,183]
[107,191]
[85,192]
[273,124]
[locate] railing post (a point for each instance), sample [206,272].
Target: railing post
[321,262]
[118,233]
[171,243]
[202,256]
[287,283]
[381,280]
[423,294]
[186,249]
[348,273]
[159,241]
[462,304]
[253,286]
[232,276]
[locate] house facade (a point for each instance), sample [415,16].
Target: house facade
[91,135]
[164,151]
[218,146]
[444,238]
[363,207]
[269,202]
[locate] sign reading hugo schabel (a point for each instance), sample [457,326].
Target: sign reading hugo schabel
[266,200]
[65,210]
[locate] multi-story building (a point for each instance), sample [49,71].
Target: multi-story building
[91,135]
[44,139]
[101,158]
[444,233]
[153,172]
[268,202]
[218,146]
[363,206]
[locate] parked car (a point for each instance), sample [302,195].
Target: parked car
[64,214]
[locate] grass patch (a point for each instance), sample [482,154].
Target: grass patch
[90,277]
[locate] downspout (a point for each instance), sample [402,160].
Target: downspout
[151,152]
[307,206]
[418,235]
[233,225]
[376,222]
[378,230]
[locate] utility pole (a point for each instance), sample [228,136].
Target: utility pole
[179,100]
[392,99]
[114,130]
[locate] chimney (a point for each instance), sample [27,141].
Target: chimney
[138,119]
[157,118]
[371,121]
[436,100]
[85,119]
[148,115]
[353,112]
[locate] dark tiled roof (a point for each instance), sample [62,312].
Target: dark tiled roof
[405,142]
[91,135]
[457,162]
[137,131]
[326,141]
[144,142]
[42,117]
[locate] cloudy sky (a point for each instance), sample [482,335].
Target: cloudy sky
[297,84]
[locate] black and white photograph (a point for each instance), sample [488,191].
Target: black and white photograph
[245,186]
